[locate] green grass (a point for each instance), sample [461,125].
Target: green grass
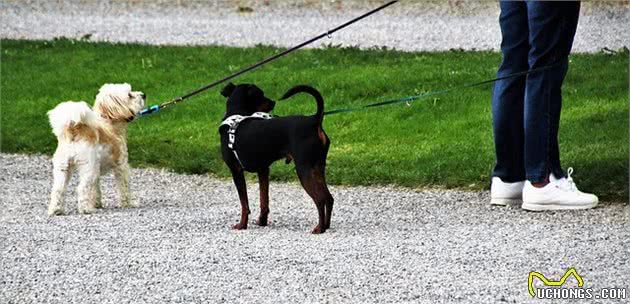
[436,142]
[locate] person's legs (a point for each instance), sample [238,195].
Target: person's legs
[552,26]
[509,94]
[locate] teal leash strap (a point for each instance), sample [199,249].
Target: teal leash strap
[434,93]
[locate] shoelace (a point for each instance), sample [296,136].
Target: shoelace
[568,183]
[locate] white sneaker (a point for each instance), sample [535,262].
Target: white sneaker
[503,194]
[559,194]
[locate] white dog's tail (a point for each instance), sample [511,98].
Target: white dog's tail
[69,114]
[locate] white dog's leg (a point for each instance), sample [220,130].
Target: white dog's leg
[89,172]
[61,176]
[121,175]
[99,202]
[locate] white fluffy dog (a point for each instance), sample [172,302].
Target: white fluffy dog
[93,141]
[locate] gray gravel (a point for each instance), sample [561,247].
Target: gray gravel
[409,26]
[385,245]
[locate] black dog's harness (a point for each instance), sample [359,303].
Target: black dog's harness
[233,122]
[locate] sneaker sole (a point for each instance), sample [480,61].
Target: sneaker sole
[505,201]
[551,207]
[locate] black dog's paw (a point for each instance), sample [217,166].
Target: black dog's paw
[239,227]
[318,230]
[262,222]
[228,90]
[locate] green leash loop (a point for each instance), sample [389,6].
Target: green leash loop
[439,92]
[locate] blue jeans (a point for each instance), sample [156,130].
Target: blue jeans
[526,109]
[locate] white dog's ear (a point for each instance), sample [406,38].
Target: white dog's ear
[112,102]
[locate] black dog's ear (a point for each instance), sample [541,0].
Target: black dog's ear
[227,91]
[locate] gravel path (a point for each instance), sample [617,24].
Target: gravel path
[410,27]
[385,245]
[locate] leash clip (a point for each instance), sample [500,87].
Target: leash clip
[328,34]
[149,110]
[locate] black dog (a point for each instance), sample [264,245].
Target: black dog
[258,142]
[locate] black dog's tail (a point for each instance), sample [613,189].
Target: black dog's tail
[313,92]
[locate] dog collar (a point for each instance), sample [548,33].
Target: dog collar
[233,122]
[128,119]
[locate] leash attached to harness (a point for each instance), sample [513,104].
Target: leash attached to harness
[156,108]
[409,99]
[233,122]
